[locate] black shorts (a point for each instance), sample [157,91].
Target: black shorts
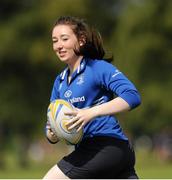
[100,158]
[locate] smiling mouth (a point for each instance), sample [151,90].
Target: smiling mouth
[61,54]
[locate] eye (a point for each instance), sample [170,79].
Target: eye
[65,39]
[54,40]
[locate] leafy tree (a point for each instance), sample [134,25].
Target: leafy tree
[138,32]
[142,47]
[26,61]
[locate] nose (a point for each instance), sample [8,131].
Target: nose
[58,46]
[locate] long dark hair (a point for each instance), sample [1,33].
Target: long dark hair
[92,42]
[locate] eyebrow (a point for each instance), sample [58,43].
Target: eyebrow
[54,37]
[64,35]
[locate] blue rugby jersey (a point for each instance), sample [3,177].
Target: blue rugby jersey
[93,83]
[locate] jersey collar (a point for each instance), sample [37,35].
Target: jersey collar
[80,69]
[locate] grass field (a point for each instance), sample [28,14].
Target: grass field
[148,166]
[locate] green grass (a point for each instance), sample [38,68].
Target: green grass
[148,166]
[29,173]
[12,170]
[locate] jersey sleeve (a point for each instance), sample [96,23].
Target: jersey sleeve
[55,93]
[114,80]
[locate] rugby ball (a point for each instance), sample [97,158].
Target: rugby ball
[58,120]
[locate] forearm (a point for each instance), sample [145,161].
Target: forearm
[83,116]
[114,106]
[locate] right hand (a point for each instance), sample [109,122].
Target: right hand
[50,134]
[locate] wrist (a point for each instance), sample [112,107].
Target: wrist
[52,142]
[52,138]
[96,111]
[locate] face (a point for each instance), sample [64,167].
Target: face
[64,43]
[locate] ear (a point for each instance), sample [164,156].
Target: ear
[80,44]
[82,41]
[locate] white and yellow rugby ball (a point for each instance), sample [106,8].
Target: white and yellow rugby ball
[58,119]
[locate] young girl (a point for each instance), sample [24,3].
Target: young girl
[98,90]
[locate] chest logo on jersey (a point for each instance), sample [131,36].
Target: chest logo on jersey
[68,93]
[77,99]
[80,79]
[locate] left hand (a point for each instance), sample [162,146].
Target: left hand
[50,134]
[80,118]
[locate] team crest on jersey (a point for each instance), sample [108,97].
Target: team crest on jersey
[80,79]
[68,93]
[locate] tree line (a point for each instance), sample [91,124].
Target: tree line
[137,33]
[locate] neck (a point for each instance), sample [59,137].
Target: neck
[73,66]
